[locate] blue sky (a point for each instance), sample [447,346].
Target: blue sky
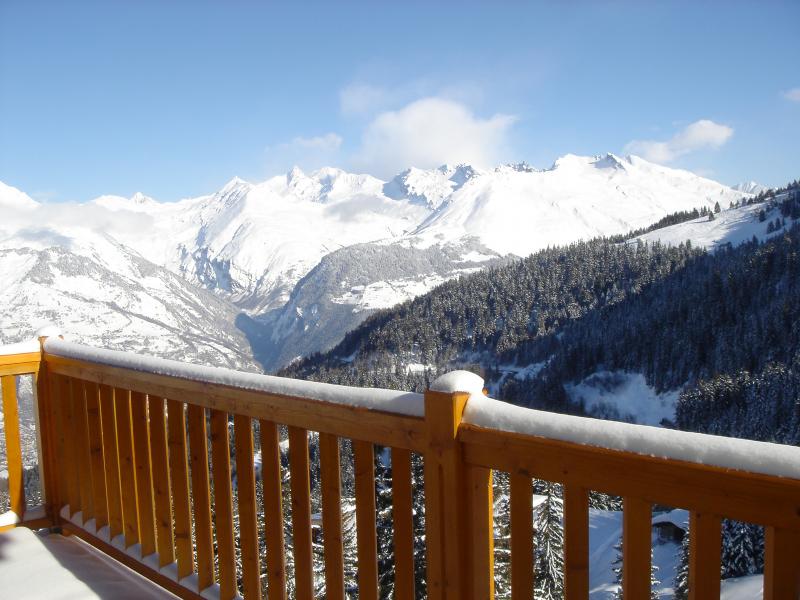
[175,98]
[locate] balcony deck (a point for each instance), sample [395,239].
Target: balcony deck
[138,457]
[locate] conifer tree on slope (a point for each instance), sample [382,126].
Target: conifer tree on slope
[617,568]
[549,552]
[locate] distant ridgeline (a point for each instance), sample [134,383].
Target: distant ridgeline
[725,326]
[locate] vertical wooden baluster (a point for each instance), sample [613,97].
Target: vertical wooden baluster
[70,463]
[144,476]
[83,450]
[55,402]
[480,497]
[180,486]
[201,496]
[127,466]
[16,489]
[521,514]
[97,465]
[248,519]
[781,564]
[402,515]
[273,510]
[111,460]
[165,543]
[705,548]
[301,513]
[576,542]
[48,424]
[366,530]
[332,516]
[223,503]
[636,527]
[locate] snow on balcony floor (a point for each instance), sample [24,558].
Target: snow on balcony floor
[58,567]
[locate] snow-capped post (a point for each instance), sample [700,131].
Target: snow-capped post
[451,528]
[46,428]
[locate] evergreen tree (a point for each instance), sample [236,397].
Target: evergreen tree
[680,585]
[549,551]
[617,570]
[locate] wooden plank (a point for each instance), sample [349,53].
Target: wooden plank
[83,454]
[108,423]
[176,438]
[144,473]
[127,466]
[705,548]
[366,534]
[332,516]
[27,368]
[223,503]
[480,497]
[97,464]
[201,496]
[445,478]
[165,543]
[273,510]
[132,563]
[60,428]
[344,421]
[47,434]
[23,357]
[637,515]
[248,519]
[521,513]
[746,496]
[781,564]
[403,521]
[16,489]
[301,513]
[70,463]
[576,542]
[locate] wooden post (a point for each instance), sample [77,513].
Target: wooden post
[705,548]
[48,430]
[446,514]
[781,564]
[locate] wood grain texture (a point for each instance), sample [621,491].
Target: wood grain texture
[273,510]
[223,503]
[201,496]
[332,516]
[301,513]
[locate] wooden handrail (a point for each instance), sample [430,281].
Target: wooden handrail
[133,459]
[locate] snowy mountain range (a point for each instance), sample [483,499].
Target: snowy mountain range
[288,265]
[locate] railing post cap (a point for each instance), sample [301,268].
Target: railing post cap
[48,330]
[458,381]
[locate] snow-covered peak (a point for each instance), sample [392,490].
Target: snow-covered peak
[429,187]
[750,187]
[11,197]
[520,167]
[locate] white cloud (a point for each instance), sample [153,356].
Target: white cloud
[793,94]
[429,132]
[321,143]
[700,135]
[361,98]
[306,152]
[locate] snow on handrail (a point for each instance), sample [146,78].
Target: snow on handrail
[31,345]
[402,403]
[730,453]
[20,348]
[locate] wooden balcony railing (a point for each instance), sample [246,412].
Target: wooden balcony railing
[124,459]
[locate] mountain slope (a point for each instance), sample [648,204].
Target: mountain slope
[253,244]
[124,303]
